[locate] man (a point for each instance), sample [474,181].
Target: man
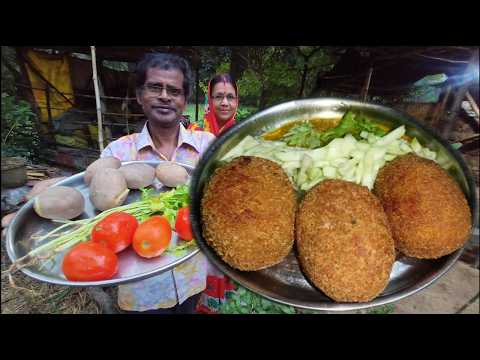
[164,83]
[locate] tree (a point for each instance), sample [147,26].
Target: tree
[10,70]
[313,60]
[238,63]
[306,52]
[264,70]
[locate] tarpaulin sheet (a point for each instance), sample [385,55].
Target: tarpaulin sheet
[56,70]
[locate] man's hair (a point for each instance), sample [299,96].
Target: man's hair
[164,61]
[227,78]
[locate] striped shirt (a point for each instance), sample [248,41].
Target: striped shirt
[189,278]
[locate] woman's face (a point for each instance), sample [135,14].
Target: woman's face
[224,100]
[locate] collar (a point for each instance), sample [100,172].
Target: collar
[185,137]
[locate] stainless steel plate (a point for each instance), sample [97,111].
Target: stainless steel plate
[131,266]
[285,282]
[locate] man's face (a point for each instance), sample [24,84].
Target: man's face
[162,97]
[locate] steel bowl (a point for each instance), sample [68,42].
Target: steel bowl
[26,224]
[285,282]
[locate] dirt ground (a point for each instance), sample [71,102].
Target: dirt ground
[51,299]
[34,297]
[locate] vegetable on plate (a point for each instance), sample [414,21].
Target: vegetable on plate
[71,233]
[152,237]
[115,231]
[355,151]
[90,261]
[183,227]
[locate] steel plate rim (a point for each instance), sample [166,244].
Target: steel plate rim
[29,204]
[195,198]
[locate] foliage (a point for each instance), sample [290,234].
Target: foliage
[19,132]
[223,68]
[116,65]
[270,74]
[275,74]
[211,57]
[9,70]
[385,309]
[246,302]
[321,60]
[244,112]
[249,86]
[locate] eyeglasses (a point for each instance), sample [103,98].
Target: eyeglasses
[219,98]
[158,90]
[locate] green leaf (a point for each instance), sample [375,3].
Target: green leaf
[306,136]
[385,309]
[180,250]
[302,135]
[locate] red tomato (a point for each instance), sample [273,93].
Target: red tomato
[152,237]
[115,231]
[89,261]
[183,227]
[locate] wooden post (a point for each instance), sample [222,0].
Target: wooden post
[126,104]
[367,84]
[126,114]
[438,115]
[47,99]
[472,102]
[97,98]
[197,92]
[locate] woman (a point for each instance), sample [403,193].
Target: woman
[219,116]
[222,105]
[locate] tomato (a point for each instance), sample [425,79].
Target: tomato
[183,227]
[89,261]
[152,237]
[115,231]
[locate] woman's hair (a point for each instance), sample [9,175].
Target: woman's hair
[223,78]
[165,61]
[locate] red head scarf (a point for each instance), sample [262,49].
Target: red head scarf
[210,122]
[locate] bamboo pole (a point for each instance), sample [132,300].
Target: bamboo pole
[367,84]
[126,101]
[97,98]
[439,114]
[49,110]
[472,102]
[197,92]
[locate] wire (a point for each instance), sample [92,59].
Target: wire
[443,59]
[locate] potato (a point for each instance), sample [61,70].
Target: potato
[138,175]
[108,189]
[7,219]
[42,185]
[102,163]
[171,174]
[59,202]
